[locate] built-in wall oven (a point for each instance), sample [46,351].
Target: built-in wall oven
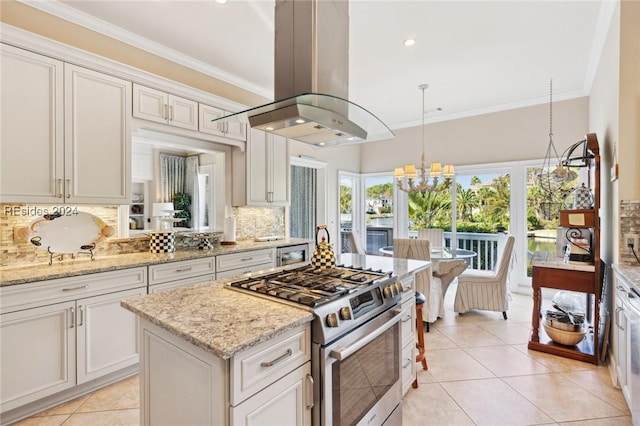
[355,334]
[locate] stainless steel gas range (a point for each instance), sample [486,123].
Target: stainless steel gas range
[355,338]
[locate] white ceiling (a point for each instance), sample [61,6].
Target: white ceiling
[476,56]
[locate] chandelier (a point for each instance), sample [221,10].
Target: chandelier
[407,177]
[552,175]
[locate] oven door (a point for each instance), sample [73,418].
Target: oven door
[361,373]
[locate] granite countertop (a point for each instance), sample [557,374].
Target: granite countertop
[630,273]
[218,319]
[400,267]
[224,321]
[80,266]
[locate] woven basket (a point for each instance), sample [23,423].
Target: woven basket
[564,337]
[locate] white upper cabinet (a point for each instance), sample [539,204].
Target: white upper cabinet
[155,105]
[267,170]
[232,130]
[97,137]
[67,128]
[32,131]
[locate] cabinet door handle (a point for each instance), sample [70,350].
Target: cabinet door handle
[184,269]
[68,189]
[81,312]
[80,287]
[407,318]
[406,364]
[73,317]
[287,354]
[60,189]
[165,114]
[171,113]
[310,383]
[246,259]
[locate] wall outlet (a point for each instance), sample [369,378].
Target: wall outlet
[632,239]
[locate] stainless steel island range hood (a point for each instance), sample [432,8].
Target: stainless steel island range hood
[311,79]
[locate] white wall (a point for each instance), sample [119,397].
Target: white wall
[519,134]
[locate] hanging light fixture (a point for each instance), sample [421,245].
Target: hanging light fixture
[407,177]
[553,172]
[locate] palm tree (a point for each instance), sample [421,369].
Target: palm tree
[466,200]
[425,208]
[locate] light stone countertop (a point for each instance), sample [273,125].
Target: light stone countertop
[224,321]
[81,265]
[218,319]
[629,273]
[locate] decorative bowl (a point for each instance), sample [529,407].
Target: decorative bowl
[564,337]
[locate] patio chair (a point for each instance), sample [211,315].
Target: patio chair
[435,236]
[486,290]
[426,283]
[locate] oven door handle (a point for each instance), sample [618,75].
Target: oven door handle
[342,353]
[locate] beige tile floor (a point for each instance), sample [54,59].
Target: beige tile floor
[480,373]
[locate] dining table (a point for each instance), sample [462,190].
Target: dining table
[447,263]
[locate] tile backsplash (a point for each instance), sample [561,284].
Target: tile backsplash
[629,223]
[250,222]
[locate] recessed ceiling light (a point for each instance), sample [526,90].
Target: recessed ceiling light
[300,120]
[269,128]
[221,1]
[409,41]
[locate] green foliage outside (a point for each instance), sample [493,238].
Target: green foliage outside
[182,201]
[482,208]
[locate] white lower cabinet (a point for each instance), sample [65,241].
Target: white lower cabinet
[61,333]
[38,353]
[286,402]
[267,384]
[107,335]
[408,331]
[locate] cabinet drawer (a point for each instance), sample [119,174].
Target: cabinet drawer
[179,270]
[256,368]
[408,288]
[240,271]
[407,322]
[24,296]
[180,283]
[408,366]
[226,262]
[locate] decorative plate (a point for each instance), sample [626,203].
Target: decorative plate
[71,233]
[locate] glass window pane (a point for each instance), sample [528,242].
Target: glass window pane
[543,206]
[347,199]
[378,212]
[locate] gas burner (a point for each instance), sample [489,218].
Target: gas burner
[310,286]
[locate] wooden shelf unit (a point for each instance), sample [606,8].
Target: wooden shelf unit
[571,278]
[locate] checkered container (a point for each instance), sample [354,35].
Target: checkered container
[162,242]
[323,256]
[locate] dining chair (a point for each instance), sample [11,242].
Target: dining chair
[486,290]
[426,283]
[355,244]
[434,235]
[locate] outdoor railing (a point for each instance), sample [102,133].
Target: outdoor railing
[485,245]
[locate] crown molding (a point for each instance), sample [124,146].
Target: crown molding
[67,13]
[47,47]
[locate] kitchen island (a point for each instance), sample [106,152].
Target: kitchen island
[214,355]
